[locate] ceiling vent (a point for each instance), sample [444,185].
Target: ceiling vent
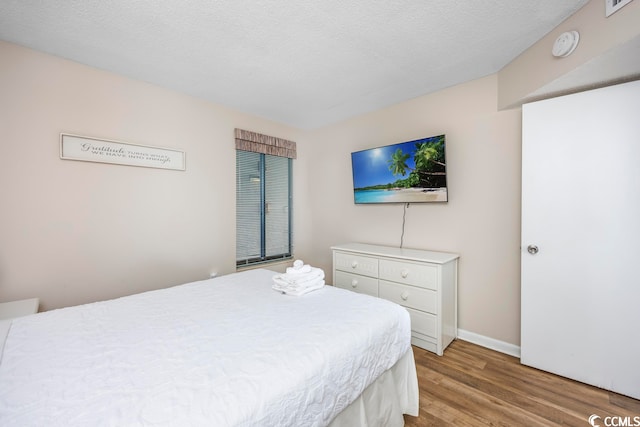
[612,6]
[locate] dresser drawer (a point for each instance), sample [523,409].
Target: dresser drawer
[423,275]
[409,296]
[424,282]
[356,283]
[423,323]
[357,264]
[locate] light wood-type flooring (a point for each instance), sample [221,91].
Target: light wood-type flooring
[474,386]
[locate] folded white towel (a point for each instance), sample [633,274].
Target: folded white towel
[299,267]
[297,279]
[299,290]
[302,270]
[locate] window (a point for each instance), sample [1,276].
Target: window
[263,200]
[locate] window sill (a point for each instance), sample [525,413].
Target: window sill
[279,265]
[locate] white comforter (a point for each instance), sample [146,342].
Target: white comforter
[223,352]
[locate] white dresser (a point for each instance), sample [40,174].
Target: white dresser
[11,310]
[425,282]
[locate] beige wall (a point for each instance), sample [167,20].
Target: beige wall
[481,221]
[73,232]
[599,36]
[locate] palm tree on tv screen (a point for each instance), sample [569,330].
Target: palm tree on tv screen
[398,163]
[430,168]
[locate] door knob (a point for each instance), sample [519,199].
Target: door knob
[532,249]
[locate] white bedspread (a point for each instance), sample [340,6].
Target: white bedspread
[223,352]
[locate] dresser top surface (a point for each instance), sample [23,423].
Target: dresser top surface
[395,252]
[9,310]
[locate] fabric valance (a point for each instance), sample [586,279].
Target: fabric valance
[265,144]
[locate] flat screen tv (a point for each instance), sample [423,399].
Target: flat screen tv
[406,172]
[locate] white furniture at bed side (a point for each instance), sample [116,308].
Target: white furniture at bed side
[424,282]
[11,310]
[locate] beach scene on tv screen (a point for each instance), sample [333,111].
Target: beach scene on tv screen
[408,172]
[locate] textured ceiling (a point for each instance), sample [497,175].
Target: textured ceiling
[302,63]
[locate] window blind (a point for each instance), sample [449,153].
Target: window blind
[248,206]
[263,197]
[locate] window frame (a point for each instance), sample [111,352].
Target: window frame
[264,258]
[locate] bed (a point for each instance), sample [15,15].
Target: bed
[229,351]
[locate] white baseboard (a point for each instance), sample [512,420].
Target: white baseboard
[493,344]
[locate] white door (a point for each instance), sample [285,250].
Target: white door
[581,211]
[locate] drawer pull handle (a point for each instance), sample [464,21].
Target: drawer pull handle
[354,283]
[354,264]
[404,295]
[404,273]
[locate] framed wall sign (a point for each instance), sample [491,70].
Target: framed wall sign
[83,148]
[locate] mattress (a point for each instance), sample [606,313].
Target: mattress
[228,351]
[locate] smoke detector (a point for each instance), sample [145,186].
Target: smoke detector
[565,44]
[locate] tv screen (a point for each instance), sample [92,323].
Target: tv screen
[407,172]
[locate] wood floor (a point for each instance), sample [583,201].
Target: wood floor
[474,386]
